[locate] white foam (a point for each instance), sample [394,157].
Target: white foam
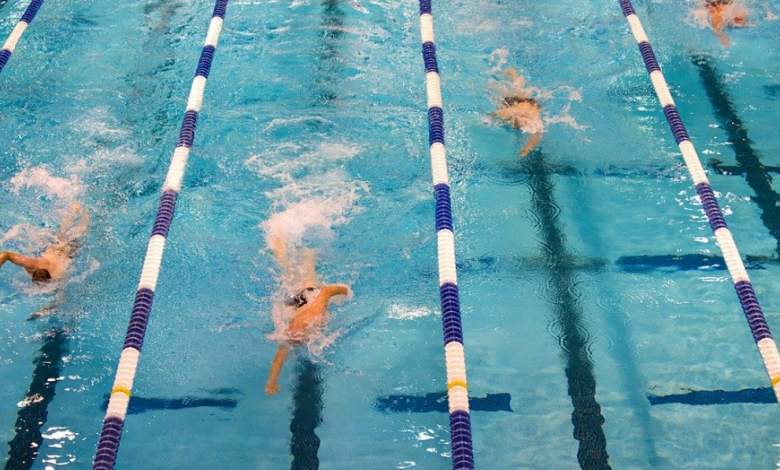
[498,59]
[39,178]
[309,206]
[564,118]
[28,238]
[105,163]
[407,312]
[101,123]
[311,218]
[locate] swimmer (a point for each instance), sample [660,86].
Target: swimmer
[310,304]
[521,111]
[723,14]
[55,260]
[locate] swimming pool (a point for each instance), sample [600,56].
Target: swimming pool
[317,110]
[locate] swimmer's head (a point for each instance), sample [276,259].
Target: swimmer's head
[41,275]
[305,296]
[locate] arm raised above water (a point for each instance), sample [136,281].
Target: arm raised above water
[30,264]
[336,289]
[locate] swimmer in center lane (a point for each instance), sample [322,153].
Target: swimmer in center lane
[725,14]
[54,261]
[520,110]
[310,306]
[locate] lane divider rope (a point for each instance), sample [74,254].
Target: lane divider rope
[747,297]
[111,433]
[16,34]
[460,419]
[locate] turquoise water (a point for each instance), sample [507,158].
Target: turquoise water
[317,111]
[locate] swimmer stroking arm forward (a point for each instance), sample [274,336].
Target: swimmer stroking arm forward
[55,259]
[311,309]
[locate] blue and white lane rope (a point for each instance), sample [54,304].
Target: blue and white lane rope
[108,446]
[457,391]
[747,297]
[21,26]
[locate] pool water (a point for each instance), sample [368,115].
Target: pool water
[599,331]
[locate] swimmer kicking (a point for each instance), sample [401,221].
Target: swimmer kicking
[521,111]
[723,14]
[310,304]
[54,261]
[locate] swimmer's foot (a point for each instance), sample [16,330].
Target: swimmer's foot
[279,250]
[44,312]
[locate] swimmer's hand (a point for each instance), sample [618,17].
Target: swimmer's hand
[271,388]
[338,293]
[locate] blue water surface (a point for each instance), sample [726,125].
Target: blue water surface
[589,293]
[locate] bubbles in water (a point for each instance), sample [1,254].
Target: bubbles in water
[498,59]
[406,312]
[38,178]
[316,195]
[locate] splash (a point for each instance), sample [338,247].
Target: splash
[28,238]
[39,178]
[699,15]
[498,58]
[312,207]
[315,195]
[407,312]
[565,118]
[530,122]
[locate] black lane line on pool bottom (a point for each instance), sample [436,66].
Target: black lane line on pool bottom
[329,66]
[756,174]
[689,262]
[23,448]
[437,403]
[140,404]
[307,415]
[574,339]
[759,396]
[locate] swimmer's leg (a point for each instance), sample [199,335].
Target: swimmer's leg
[532,142]
[279,249]
[44,312]
[68,221]
[309,268]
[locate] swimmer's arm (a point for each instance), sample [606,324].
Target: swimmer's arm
[335,289]
[532,142]
[272,386]
[23,261]
[716,19]
[723,38]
